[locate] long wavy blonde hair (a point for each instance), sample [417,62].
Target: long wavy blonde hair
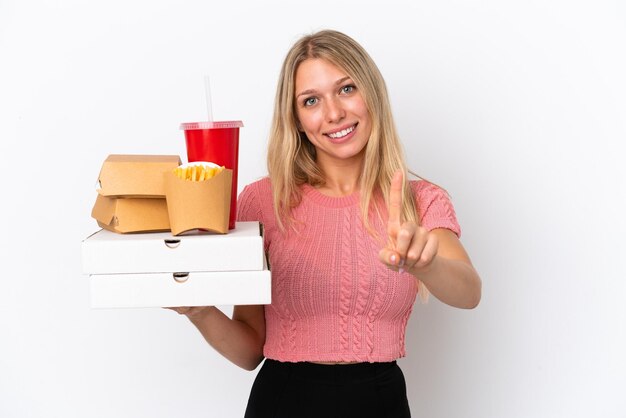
[291,158]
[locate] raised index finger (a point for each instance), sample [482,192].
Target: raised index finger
[395,199]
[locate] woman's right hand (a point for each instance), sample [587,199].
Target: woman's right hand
[240,339]
[191,312]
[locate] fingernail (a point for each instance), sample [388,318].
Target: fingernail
[393,259]
[401,263]
[400,270]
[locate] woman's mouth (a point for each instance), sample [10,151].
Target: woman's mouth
[342,134]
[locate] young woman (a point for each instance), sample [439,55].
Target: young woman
[350,242]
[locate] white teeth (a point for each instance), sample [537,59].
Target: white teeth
[342,133]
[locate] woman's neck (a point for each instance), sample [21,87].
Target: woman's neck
[340,179]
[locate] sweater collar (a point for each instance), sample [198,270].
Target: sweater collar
[310,192]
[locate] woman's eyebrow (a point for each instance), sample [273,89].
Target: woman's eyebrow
[310,91]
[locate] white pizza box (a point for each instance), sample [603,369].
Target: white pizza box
[162,290]
[107,252]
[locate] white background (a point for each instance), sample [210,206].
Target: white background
[517,108]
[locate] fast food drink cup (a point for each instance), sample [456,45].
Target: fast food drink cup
[217,142]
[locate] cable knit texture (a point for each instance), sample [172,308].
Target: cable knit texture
[332,299]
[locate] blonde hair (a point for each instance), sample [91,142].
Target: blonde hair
[291,157]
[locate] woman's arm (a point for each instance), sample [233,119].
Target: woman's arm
[436,257]
[450,276]
[239,339]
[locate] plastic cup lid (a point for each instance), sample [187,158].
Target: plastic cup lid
[211,125]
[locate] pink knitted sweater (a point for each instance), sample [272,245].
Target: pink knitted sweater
[332,299]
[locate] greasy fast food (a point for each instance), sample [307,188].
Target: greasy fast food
[198,171]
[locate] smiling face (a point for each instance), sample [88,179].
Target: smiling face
[331,112]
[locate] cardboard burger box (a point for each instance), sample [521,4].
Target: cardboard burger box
[135,175]
[126,215]
[131,193]
[164,270]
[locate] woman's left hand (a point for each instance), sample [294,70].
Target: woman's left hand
[410,247]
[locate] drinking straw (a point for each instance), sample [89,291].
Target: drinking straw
[207,91]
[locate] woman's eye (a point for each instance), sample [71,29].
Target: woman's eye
[310,101]
[347,89]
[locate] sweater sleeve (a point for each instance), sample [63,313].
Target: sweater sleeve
[248,205]
[254,203]
[434,207]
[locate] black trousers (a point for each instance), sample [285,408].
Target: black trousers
[302,390]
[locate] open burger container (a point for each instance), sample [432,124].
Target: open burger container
[199,204]
[164,270]
[131,193]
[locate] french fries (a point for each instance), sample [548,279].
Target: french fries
[197,172]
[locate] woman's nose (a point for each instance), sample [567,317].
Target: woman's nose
[334,110]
